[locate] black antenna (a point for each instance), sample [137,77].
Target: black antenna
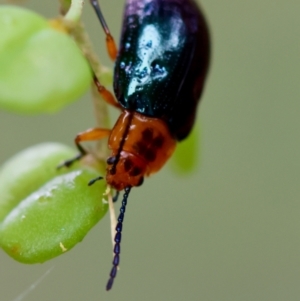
[118,235]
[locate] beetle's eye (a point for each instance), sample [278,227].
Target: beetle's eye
[111,160]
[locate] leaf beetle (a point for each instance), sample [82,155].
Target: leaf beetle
[159,75]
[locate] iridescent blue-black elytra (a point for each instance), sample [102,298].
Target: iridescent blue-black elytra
[163,60]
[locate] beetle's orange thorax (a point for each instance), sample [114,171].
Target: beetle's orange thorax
[140,146]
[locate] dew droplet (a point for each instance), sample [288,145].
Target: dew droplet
[142,73]
[158,69]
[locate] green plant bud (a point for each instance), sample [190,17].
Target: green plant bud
[185,158]
[41,69]
[44,213]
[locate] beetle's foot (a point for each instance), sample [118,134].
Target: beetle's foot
[91,182]
[69,162]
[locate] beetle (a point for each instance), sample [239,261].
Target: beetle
[159,75]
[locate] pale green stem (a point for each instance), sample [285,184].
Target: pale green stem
[72,11]
[75,11]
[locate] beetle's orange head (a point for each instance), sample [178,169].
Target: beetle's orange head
[125,170]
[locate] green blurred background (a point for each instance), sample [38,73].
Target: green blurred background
[230,230]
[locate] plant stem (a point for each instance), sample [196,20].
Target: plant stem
[71,21]
[72,11]
[75,11]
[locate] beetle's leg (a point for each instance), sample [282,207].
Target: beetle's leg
[106,94]
[110,43]
[89,135]
[112,52]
